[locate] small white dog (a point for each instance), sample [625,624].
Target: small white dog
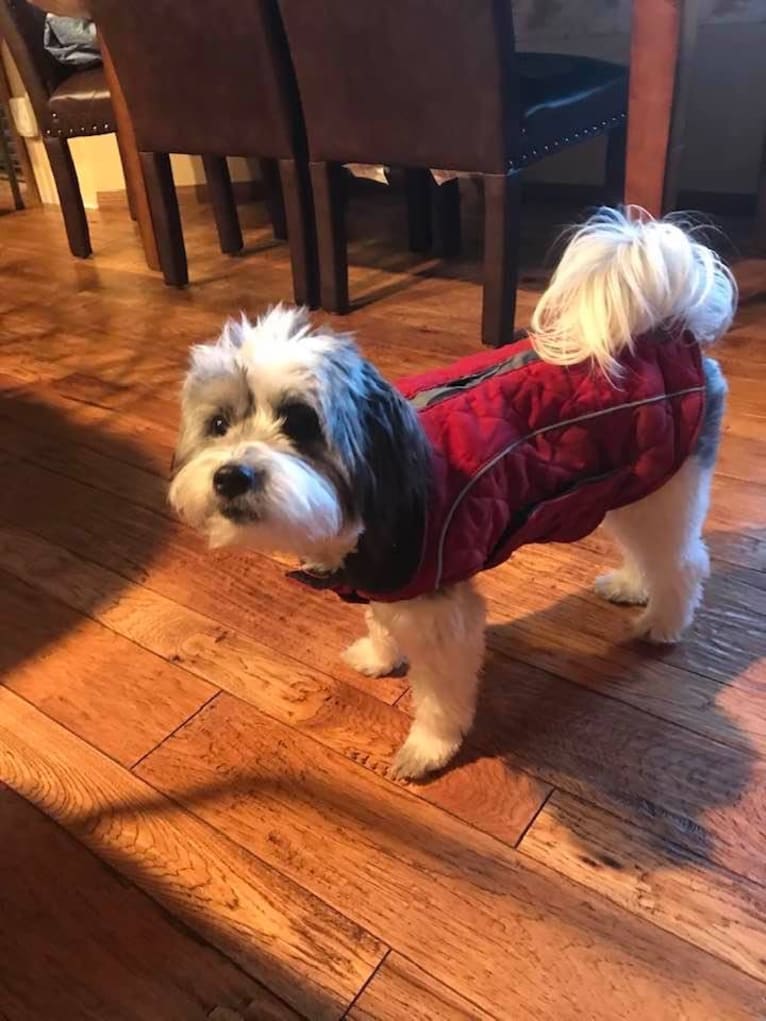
[397,496]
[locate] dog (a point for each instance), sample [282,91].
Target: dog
[397,496]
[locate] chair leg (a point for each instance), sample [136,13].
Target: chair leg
[224,206]
[327,186]
[760,205]
[274,199]
[616,151]
[68,188]
[7,161]
[502,203]
[299,217]
[166,218]
[447,235]
[417,189]
[126,173]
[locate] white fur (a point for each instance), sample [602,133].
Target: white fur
[442,636]
[377,653]
[623,274]
[666,559]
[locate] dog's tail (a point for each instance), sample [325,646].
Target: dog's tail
[622,275]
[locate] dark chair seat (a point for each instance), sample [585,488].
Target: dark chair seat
[81,104]
[564,99]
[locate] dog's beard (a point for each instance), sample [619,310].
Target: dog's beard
[295,510]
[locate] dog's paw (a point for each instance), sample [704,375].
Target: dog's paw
[366,658]
[652,629]
[621,587]
[423,753]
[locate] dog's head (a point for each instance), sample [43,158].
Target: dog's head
[290,441]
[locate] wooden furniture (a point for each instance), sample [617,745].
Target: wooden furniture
[67,104]
[760,203]
[663,36]
[10,151]
[407,83]
[212,80]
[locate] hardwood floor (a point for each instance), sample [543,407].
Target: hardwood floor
[196,817]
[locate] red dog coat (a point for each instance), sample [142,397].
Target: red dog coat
[524,451]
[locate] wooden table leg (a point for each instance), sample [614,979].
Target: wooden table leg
[663,37]
[133,172]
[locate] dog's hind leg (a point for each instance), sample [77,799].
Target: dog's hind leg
[666,561]
[443,638]
[662,538]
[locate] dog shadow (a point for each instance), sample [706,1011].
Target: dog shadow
[670,739]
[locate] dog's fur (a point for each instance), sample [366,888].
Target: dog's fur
[336,465]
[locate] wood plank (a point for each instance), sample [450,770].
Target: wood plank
[78,942]
[703,795]
[400,989]
[707,906]
[543,611]
[231,586]
[118,697]
[303,950]
[341,717]
[120,437]
[421,879]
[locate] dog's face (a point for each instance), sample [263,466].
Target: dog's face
[269,438]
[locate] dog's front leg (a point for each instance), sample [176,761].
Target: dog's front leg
[378,653]
[442,636]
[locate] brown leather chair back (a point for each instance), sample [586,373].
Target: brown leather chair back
[412,82]
[204,76]
[22,26]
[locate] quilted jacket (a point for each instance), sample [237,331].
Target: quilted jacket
[524,451]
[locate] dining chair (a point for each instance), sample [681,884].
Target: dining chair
[440,84]
[212,78]
[67,104]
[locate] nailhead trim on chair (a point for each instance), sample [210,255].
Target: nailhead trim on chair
[95,129]
[558,143]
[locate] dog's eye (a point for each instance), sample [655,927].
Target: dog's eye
[218,425]
[300,423]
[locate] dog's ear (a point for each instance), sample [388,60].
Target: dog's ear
[390,489]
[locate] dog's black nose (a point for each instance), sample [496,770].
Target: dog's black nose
[232,480]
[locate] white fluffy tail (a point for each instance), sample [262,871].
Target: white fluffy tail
[622,275]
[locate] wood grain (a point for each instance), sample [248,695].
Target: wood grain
[711,682]
[399,989]
[311,955]
[701,794]
[417,878]
[654,879]
[147,548]
[119,698]
[490,794]
[77,942]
